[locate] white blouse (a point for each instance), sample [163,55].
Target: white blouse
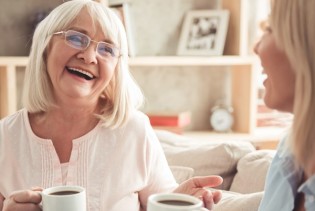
[119,168]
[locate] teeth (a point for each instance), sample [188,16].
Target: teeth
[82,71]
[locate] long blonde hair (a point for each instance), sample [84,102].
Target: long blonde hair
[292,22]
[121,96]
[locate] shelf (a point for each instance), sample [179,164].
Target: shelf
[14,61]
[261,138]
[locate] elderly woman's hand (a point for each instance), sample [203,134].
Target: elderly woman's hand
[24,200]
[196,186]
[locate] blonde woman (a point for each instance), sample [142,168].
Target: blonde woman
[286,51]
[81,124]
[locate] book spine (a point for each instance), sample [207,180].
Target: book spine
[164,121]
[180,120]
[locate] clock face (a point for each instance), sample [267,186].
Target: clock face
[221,120]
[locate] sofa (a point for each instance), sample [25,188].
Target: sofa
[242,167]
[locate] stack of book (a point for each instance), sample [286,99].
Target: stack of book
[174,122]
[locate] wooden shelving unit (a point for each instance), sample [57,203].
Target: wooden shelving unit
[8,96]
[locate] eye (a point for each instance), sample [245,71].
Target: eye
[78,40]
[106,50]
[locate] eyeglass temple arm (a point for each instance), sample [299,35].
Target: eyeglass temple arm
[59,32]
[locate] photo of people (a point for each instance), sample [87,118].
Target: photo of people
[202,33]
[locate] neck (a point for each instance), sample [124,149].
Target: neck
[68,121]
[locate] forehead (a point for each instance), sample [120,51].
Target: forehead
[97,23]
[86,23]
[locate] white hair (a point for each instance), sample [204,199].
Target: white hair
[120,97]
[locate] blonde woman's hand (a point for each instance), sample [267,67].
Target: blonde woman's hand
[197,186]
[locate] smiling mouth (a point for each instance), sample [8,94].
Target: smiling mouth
[80,73]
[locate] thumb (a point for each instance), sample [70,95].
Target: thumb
[207,181]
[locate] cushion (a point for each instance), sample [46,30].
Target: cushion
[206,158]
[252,170]
[182,173]
[232,201]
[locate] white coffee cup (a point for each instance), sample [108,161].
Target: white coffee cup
[64,198]
[174,202]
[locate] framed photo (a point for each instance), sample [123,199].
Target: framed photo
[203,33]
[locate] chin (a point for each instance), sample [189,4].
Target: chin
[270,103]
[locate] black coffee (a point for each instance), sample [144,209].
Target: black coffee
[176,202]
[64,192]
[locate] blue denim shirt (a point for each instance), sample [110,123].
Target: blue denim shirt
[282,184]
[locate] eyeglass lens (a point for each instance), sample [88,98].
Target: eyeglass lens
[81,41]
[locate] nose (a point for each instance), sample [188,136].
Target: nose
[89,55]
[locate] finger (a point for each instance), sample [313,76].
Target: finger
[217,195]
[206,197]
[37,188]
[26,196]
[23,206]
[208,181]
[208,200]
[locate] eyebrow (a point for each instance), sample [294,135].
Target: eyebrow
[86,33]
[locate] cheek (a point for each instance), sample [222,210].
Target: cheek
[56,56]
[108,72]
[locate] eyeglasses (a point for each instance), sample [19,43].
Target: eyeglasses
[81,41]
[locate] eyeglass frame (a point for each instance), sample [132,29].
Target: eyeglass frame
[89,43]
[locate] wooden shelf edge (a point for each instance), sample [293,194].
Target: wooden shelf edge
[261,138]
[258,135]
[160,61]
[13,60]
[191,61]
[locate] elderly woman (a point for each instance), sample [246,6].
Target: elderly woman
[80,124]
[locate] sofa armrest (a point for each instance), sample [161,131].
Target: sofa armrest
[239,202]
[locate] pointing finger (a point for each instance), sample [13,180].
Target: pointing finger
[208,181]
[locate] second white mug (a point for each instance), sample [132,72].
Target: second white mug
[174,202]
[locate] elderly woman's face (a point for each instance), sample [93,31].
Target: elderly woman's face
[79,74]
[280,81]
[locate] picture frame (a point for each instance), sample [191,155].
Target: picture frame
[203,33]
